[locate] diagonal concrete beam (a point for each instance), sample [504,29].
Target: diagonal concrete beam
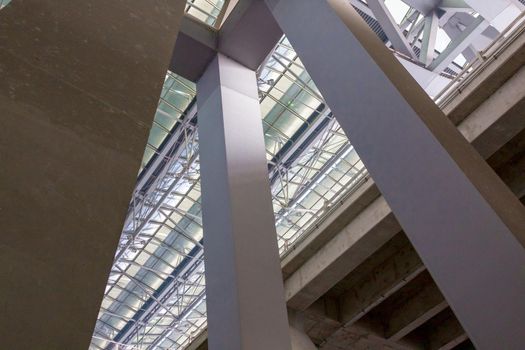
[442,332]
[370,289]
[415,310]
[418,147]
[447,335]
[79,85]
[356,242]
[489,125]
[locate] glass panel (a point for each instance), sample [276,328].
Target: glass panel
[207,11]
[177,93]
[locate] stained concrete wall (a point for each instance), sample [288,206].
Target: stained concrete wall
[79,84]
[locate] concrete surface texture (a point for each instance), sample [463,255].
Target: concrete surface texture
[79,84]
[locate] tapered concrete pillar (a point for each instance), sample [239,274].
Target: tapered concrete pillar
[79,84]
[244,288]
[463,221]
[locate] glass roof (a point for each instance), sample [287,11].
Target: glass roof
[177,93]
[207,11]
[3,3]
[155,295]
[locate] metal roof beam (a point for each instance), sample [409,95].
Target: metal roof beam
[459,44]
[391,28]
[428,43]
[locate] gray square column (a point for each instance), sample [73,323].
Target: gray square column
[463,221]
[244,288]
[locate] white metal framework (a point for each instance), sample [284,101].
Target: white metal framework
[3,3]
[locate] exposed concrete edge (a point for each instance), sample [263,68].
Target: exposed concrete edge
[348,209]
[487,81]
[488,128]
[199,343]
[305,284]
[499,118]
[373,227]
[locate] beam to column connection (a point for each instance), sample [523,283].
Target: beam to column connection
[244,287]
[466,225]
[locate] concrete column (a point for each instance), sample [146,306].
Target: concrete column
[464,222]
[79,84]
[300,340]
[244,288]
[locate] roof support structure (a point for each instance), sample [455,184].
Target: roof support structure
[415,31]
[391,28]
[249,32]
[245,294]
[445,196]
[428,44]
[247,35]
[459,44]
[409,20]
[453,31]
